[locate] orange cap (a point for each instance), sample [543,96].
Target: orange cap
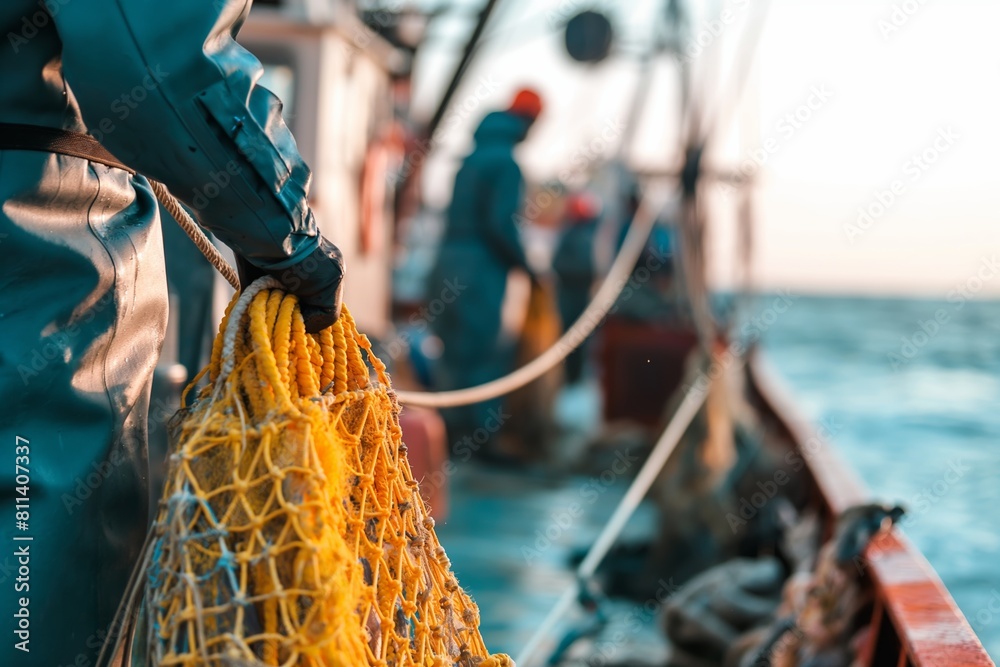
[526,102]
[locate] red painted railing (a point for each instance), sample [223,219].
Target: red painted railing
[916,622]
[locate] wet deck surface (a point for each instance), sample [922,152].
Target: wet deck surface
[511,535]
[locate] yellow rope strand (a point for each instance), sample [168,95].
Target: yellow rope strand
[329,359]
[291,531]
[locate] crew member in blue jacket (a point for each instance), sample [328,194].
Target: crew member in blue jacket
[573,264]
[93,89]
[480,246]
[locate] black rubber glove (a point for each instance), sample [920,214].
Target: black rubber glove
[318,281]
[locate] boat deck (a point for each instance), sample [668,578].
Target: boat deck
[512,535]
[494,526]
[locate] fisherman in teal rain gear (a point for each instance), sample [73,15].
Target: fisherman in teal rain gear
[480,246]
[573,264]
[90,86]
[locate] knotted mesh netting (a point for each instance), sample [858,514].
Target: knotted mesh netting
[291,530]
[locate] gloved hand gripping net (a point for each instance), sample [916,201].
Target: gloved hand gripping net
[291,531]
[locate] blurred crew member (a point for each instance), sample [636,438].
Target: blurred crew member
[480,246]
[573,264]
[648,296]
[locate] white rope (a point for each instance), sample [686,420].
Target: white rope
[233,327]
[597,309]
[665,446]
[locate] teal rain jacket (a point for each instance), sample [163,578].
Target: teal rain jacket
[164,86]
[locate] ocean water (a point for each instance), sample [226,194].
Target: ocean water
[913,387]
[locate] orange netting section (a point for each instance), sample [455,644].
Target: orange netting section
[291,531]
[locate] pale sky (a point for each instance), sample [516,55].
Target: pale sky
[883,86]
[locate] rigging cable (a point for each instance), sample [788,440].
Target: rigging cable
[665,446]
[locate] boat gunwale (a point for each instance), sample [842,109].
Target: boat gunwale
[931,629]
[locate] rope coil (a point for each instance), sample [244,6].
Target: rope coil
[291,531]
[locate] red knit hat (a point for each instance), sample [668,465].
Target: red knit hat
[582,206]
[527,103]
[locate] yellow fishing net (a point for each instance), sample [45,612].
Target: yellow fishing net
[291,531]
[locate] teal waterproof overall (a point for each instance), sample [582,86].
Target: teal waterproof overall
[83,303]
